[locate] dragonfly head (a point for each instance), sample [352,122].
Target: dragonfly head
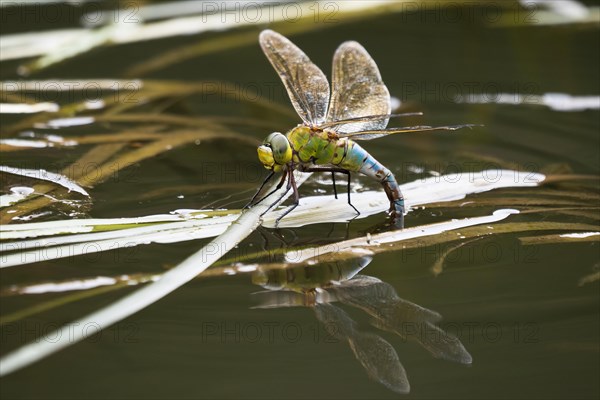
[275,152]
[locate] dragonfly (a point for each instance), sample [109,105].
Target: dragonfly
[357,107]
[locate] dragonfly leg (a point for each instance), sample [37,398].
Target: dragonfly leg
[292,183]
[334,170]
[279,185]
[267,179]
[348,190]
[334,188]
[287,173]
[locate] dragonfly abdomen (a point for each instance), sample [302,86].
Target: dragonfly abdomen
[359,160]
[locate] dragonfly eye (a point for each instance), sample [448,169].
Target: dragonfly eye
[282,151]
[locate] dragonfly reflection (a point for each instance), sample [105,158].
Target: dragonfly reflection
[318,286]
[357,107]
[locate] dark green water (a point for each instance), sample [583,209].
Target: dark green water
[531,330]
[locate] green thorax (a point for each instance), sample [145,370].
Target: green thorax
[316,146]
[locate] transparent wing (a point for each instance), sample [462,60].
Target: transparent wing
[357,90]
[377,133]
[305,83]
[368,118]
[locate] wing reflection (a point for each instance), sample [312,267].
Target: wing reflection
[317,286]
[376,355]
[399,316]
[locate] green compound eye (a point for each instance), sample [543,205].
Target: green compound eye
[282,151]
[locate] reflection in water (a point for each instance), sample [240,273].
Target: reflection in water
[376,355]
[318,286]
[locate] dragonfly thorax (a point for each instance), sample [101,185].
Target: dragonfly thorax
[275,152]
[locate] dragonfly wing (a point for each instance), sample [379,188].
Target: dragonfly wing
[377,133]
[305,83]
[357,90]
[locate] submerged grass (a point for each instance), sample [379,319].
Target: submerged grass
[114,162]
